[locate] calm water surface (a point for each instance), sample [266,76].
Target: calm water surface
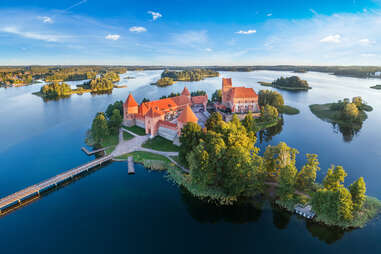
[109,211]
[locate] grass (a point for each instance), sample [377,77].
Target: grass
[324,112]
[149,160]
[378,87]
[127,136]
[264,125]
[111,141]
[161,144]
[136,129]
[288,110]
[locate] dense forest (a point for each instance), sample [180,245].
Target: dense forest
[292,83]
[189,75]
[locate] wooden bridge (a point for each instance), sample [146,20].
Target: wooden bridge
[19,196]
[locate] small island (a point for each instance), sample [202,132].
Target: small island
[344,113]
[56,90]
[293,83]
[377,87]
[169,77]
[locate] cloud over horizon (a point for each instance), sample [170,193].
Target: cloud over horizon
[246,32]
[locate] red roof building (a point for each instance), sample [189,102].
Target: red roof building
[239,99]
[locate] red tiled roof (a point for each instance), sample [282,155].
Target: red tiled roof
[153,112]
[187,116]
[200,99]
[167,124]
[185,91]
[242,92]
[130,102]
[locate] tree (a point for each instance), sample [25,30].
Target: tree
[99,128]
[357,101]
[189,139]
[145,100]
[334,178]
[358,189]
[307,175]
[217,95]
[278,157]
[272,98]
[249,122]
[269,113]
[115,122]
[212,121]
[350,112]
[110,109]
[344,205]
[287,177]
[235,120]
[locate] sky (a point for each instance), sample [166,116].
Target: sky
[179,32]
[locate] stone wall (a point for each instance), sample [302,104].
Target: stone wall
[140,123]
[167,133]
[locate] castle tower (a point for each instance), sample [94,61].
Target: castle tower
[186,92]
[130,107]
[187,116]
[226,86]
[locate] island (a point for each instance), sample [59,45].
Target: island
[344,113]
[103,84]
[168,77]
[378,87]
[293,83]
[221,163]
[165,81]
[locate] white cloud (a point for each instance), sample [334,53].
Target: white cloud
[113,37]
[269,14]
[208,49]
[246,32]
[75,5]
[45,19]
[31,35]
[366,42]
[138,29]
[335,38]
[155,15]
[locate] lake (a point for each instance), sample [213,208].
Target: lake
[111,211]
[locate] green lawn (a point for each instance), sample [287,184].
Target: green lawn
[136,129]
[110,141]
[288,110]
[127,136]
[141,156]
[259,125]
[161,144]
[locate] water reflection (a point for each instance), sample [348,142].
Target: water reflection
[249,211]
[347,132]
[267,134]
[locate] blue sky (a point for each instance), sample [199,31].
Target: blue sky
[178,32]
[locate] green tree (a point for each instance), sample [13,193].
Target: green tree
[269,113]
[287,177]
[235,120]
[350,112]
[189,139]
[213,120]
[344,205]
[278,157]
[334,178]
[249,122]
[217,95]
[115,122]
[358,190]
[357,101]
[110,109]
[99,128]
[307,175]
[272,98]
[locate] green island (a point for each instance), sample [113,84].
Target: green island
[27,75]
[225,168]
[170,77]
[293,83]
[103,84]
[275,99]
[344,113]
[378,87]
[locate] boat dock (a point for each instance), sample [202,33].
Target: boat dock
[33,190]
[92,152]
[131,166]
[305,211]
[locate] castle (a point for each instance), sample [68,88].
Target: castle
[165,117]
[239,99]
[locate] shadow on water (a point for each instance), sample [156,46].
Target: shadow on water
[348,132]
[250,211]
[49,191]
[267,134]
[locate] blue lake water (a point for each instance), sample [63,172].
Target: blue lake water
[110,211]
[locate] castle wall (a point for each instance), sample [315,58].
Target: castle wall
[167,133]
[140,123]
